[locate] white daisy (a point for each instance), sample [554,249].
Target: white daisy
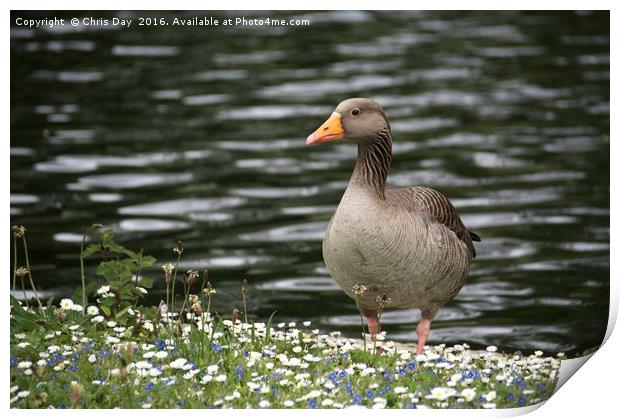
[24,364]
[66,304]
[468,394]
[441,393]
[178,363]
[490,396]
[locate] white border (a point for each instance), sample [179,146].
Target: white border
[592,392]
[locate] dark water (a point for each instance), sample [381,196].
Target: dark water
[198,134]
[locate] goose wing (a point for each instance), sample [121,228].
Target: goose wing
[434,203]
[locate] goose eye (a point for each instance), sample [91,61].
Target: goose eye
[355,111]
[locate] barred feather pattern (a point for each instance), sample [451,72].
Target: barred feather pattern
[422,199]
[373,162]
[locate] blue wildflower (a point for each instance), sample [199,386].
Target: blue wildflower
[357,400]
[161,345]
[75,358]
[511,396]
[239,371]
[520,382]
[342,374]
[13,361]
[105,353]
[216,347]
[312,404]
[349,387]
[72,368]
[521,401]
[149,386]
[369,394]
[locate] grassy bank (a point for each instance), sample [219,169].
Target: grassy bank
[111,351]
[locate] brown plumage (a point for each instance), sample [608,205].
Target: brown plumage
[407,246]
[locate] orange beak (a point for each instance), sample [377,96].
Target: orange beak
[331,130]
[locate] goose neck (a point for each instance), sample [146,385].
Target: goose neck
[374,157]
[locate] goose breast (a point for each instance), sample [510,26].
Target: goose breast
[406,255]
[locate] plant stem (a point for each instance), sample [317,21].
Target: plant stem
[82,275]
[186,294]
[378,321]
[167,294]
[362,323]
[24,290]
[29,273]
[14,261]
[174,278]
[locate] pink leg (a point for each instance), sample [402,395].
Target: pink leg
[374,326]
[422,330]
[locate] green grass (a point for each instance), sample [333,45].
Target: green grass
[119,353]
[104,365]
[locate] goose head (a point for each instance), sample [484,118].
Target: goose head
[357,119]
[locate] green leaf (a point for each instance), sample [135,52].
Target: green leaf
[122,312]
[91,287]
[106,310]
[146,282]
[91,249]
[107,237]
[147,261]
[115,270]
[117,248]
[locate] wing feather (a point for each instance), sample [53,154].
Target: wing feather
[422,199]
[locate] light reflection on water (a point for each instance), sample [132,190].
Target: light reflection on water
[199,136]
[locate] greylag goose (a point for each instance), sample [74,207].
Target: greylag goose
[387,246]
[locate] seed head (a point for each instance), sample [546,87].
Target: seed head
[19,231]
[60,315]
[168,268]
[178,249]
[190,277]
[383,300]
[209,290]
[76,390]
[358,289]
[244,287]
[21,271]
[129,350]
[194,304]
